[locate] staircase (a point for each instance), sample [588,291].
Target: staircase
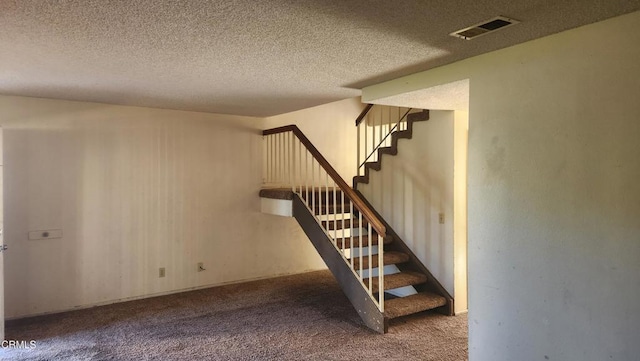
[347,232]
[385,145]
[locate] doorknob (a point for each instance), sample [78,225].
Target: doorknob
[3,248]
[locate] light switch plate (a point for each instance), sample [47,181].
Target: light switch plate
[45,234]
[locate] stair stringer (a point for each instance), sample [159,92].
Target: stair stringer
[351,286]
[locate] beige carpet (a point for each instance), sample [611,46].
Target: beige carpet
[301,317]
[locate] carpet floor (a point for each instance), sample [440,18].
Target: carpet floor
[300,317]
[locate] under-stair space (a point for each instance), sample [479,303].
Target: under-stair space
[349,235]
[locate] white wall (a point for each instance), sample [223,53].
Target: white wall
[414,187]
[134,189]
[554,196]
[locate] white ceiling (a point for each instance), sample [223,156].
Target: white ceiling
[250,57]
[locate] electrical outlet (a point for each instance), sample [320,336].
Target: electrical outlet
[201,267]
[161,272]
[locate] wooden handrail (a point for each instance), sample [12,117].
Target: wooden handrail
[363,113]
[362,206]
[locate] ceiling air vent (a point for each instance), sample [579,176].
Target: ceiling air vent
[472,32]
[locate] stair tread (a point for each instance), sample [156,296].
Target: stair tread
[390,257]
[418,116]
[397,280]
[404,306]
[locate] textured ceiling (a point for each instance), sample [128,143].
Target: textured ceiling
[251,57]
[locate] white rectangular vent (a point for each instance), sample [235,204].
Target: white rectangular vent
[489,26]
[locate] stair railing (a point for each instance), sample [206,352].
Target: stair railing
[375,125]
[292,161]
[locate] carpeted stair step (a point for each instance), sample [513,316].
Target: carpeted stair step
[360,179]
[397,280]
[418,116]
[377,165]
[355,241]
[403,134]
[277,193]
[403,306]
[388,150]
[388,258]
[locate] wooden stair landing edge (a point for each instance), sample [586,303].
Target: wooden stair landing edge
[277,193]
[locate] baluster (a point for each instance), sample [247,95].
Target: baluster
[366,149]
[343,225]
[326,196]
[279,158]
[290,158]
[388,143]
[271,159]
[351,234]
[381,273]
[320,197]
[373,136]
[380,128]
[358,149]
[283,158]
[299,182]
[266,160]
[360,243]
[369,236]
[335,215]
[313,184]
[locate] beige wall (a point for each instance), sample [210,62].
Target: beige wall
[554,197]
[415,186]
[134,189]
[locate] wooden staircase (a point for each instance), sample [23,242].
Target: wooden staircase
[350,236]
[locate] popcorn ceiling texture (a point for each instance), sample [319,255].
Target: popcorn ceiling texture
[248,57]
